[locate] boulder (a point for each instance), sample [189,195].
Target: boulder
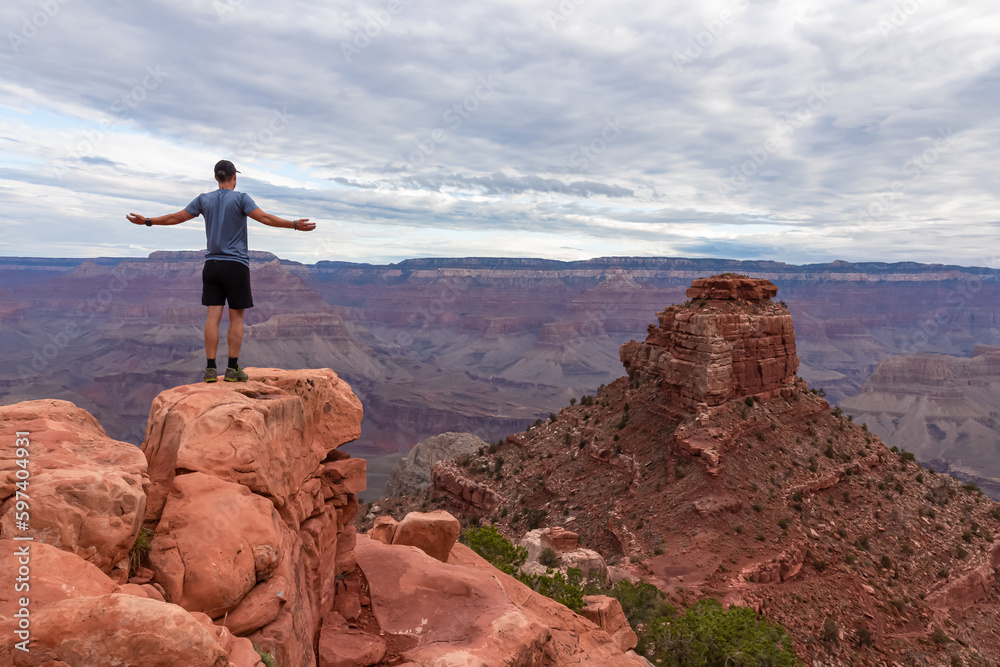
[123,630]
[413,473]
[559,539]
[435,533]
[269,434]
[87,491]
[606,612]
[54,575]
[468,612]
[340,646]
[384,529]
[258,607]
[208,522]
[588,561]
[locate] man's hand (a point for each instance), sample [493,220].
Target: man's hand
[136,219]
[304,225]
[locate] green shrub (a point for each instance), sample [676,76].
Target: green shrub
[939,637]
[489,543]
[534,518]
[783,523]
[266,657]
[709,635]
[831,631]
[139,552]
[566,590]
[549,557]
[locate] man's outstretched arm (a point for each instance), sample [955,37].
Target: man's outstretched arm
[168,219]
[302,224]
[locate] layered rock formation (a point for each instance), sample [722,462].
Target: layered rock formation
[413,473]
[250,503]
[769,499]
[729,341]
[249,475]
[942,408]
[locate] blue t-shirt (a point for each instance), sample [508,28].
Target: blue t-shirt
[225,214]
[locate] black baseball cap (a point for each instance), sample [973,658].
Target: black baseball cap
[224,170]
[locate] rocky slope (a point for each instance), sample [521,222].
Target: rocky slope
[246,502]
[942,408]
[755,493]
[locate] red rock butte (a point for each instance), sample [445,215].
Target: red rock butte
[729,341]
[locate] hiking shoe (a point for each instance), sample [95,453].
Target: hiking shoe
[211,374]
[235,375]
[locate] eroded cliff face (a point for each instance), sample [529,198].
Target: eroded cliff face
[941,408]
[729,341]
[249,502]
[768,497]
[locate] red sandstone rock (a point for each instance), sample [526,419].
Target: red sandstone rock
[732,287]
[53,575]
[86,490]
[606,612]
[340,646]
[384,529]
[559,539]
[275,436]
[351,473]
[207,522]
[468,611]
[114,630]
[447,478]
[259,607]
[738,344]
[435,533]
[269,434]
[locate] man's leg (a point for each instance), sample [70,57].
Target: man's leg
[212,331]
[235,337]
[212,320]
[235,340]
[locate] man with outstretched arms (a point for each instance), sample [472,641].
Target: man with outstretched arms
[226,276]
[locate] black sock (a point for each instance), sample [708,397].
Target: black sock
[233,361]
[211,363]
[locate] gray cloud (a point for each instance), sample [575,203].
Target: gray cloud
[620,127]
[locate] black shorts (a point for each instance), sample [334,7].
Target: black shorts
[223,280]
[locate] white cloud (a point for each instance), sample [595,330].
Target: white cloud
[482,128]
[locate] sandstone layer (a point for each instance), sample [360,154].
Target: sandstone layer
[249,475]
[941,408]
[253,552]
[729,341]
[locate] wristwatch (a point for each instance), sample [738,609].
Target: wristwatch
[295,225]
[149,222]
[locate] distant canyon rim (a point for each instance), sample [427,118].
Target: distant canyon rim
[487,345]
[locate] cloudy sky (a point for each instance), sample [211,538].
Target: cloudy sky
[800,131]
